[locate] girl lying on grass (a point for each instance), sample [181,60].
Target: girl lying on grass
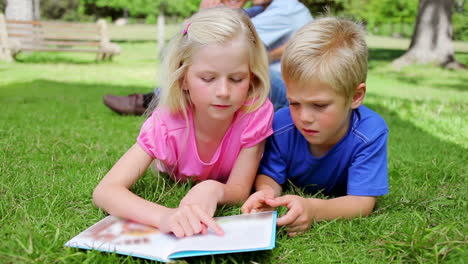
[209,126]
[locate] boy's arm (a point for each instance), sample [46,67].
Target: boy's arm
[266,183]
[303,211]
[266,188]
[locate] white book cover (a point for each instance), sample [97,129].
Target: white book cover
[247,232]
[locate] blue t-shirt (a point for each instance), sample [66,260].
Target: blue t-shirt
[356,165]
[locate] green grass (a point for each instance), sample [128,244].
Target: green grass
[58,140]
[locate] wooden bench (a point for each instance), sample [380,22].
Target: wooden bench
[17,36]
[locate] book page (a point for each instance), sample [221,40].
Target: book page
[241,233]
[113,234]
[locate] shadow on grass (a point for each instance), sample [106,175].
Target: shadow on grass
[418,75]
[56,58]
[458,82]
[388,55]
[384,55]
[42,88]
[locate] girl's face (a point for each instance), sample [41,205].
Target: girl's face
[218,79]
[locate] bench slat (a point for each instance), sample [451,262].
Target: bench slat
[60,43]
[34,22]
[49,37]
[52,24]
[43,30]
[28,48]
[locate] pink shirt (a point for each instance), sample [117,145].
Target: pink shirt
[167,138]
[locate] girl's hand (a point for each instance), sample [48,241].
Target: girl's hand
[257,202]
[197,208]
[188,220]
[206,195]
[299,217]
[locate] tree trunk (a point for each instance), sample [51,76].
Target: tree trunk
[432,38]
[19,10]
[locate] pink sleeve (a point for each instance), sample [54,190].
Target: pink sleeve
[154,138]
[259,126]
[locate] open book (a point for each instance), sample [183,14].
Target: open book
[248,232]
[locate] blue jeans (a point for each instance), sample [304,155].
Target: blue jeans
[277,92]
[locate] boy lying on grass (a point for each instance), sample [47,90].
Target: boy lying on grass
[326,140]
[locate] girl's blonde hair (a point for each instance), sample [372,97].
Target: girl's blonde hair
[331,50]
[212,26]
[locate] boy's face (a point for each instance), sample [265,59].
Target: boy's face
[320,113]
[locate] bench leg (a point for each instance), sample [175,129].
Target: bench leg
[6,55]
[99,56]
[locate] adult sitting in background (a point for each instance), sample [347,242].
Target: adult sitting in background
[275,21]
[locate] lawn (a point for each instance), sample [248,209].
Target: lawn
[58,140]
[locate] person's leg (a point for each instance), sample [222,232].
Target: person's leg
[133,104]
[278,90]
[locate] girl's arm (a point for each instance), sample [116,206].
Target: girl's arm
[238,186]
[113,195]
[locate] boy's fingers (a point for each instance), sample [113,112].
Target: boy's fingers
[296,229]
[251,204]
[278,201]
[288,218]
[246,208]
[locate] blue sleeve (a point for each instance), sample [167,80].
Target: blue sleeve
[368,174]
[272,164]
[254,10]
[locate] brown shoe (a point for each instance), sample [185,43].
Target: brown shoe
[125,105]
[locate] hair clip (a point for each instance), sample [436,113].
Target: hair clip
[186,29]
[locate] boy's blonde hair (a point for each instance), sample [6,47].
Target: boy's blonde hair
[207,27]
[331,50]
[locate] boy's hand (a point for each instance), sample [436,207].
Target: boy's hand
[299,218]
[256,202]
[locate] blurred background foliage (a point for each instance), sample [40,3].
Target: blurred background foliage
[382,17]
